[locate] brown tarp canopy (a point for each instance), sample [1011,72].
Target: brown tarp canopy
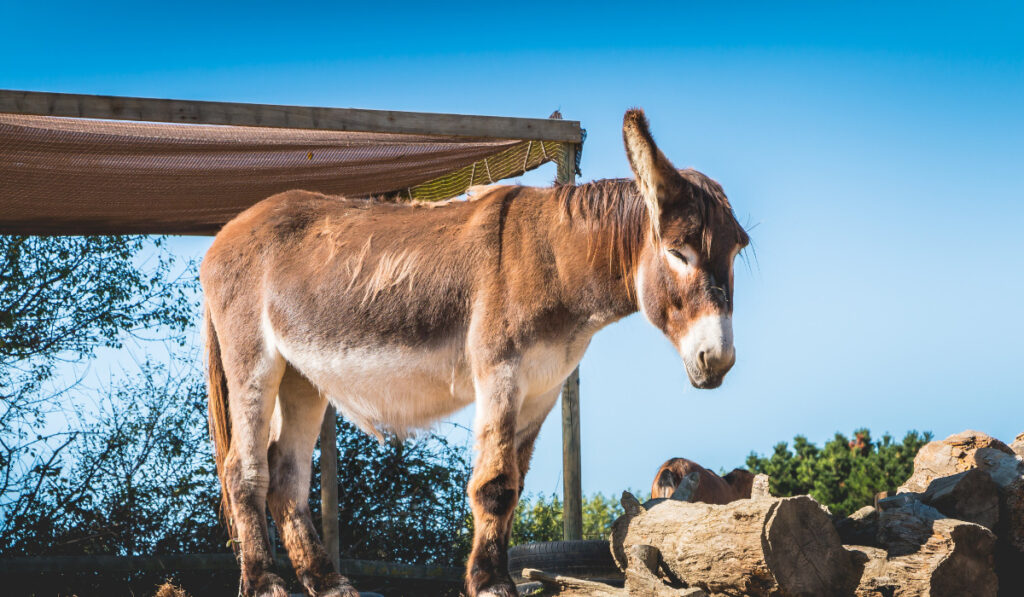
[91,176]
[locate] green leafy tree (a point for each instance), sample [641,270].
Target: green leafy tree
[538,518]
[400,501]
[599,512]
[846,473]
[61,299]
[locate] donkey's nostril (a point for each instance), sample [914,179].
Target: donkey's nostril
[701,358]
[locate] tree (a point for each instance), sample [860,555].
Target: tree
[137,480]
[62,298]
[538,518]
[401,501]
[844,475]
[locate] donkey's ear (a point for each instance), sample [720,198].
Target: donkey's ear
[657,178]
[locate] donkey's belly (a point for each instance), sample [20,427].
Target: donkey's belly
[386,387]
[399,389]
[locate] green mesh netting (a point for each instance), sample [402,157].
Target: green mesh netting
[514,161]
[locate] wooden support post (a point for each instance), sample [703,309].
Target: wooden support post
[572,489]
[329,486]
[572,509]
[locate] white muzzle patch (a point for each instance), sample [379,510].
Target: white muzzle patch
[707,348]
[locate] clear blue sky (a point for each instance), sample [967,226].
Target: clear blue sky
[877,149]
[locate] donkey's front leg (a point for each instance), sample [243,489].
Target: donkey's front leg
[494,488]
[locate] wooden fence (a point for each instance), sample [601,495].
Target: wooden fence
[212,562]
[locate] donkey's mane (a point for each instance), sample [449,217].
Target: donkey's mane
[614,211]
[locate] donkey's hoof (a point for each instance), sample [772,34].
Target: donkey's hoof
[329,585]
[269,585]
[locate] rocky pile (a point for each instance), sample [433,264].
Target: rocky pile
[955,528]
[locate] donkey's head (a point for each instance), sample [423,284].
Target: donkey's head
[684,273]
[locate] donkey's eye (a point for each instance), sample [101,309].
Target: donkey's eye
[678,255]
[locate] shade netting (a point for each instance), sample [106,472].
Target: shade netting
[91,176]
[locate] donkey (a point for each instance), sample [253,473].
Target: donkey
[711,489]
[399,314]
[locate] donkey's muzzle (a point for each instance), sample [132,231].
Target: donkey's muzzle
[712,365]
[708,351]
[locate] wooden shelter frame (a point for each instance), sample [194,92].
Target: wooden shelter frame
[568,132]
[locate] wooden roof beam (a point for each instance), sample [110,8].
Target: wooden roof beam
[299,117]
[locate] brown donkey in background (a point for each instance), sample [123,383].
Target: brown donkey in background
[401,314]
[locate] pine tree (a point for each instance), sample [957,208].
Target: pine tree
[845,474]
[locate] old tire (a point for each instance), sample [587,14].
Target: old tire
[590,559]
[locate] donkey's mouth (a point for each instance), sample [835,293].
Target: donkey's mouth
[703,379]
[707,383]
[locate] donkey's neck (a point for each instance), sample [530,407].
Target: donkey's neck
[602,227]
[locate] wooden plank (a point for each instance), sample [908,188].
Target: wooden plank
[572,488]
[303,117]
[329,486]
[218,561]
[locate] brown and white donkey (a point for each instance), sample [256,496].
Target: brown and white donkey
[401,314]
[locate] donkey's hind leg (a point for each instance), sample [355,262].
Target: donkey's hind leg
[253,376]
[294,429]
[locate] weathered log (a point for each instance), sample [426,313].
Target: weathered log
[641,579]
[955,560]
[905,528]
[642,575]
[924,553]
[970,450]
[971,495]
[750,547]
[759,487]
[567,586]
[1018,445]
[950,456]
[859,528]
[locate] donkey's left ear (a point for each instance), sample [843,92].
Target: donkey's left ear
[657,178]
